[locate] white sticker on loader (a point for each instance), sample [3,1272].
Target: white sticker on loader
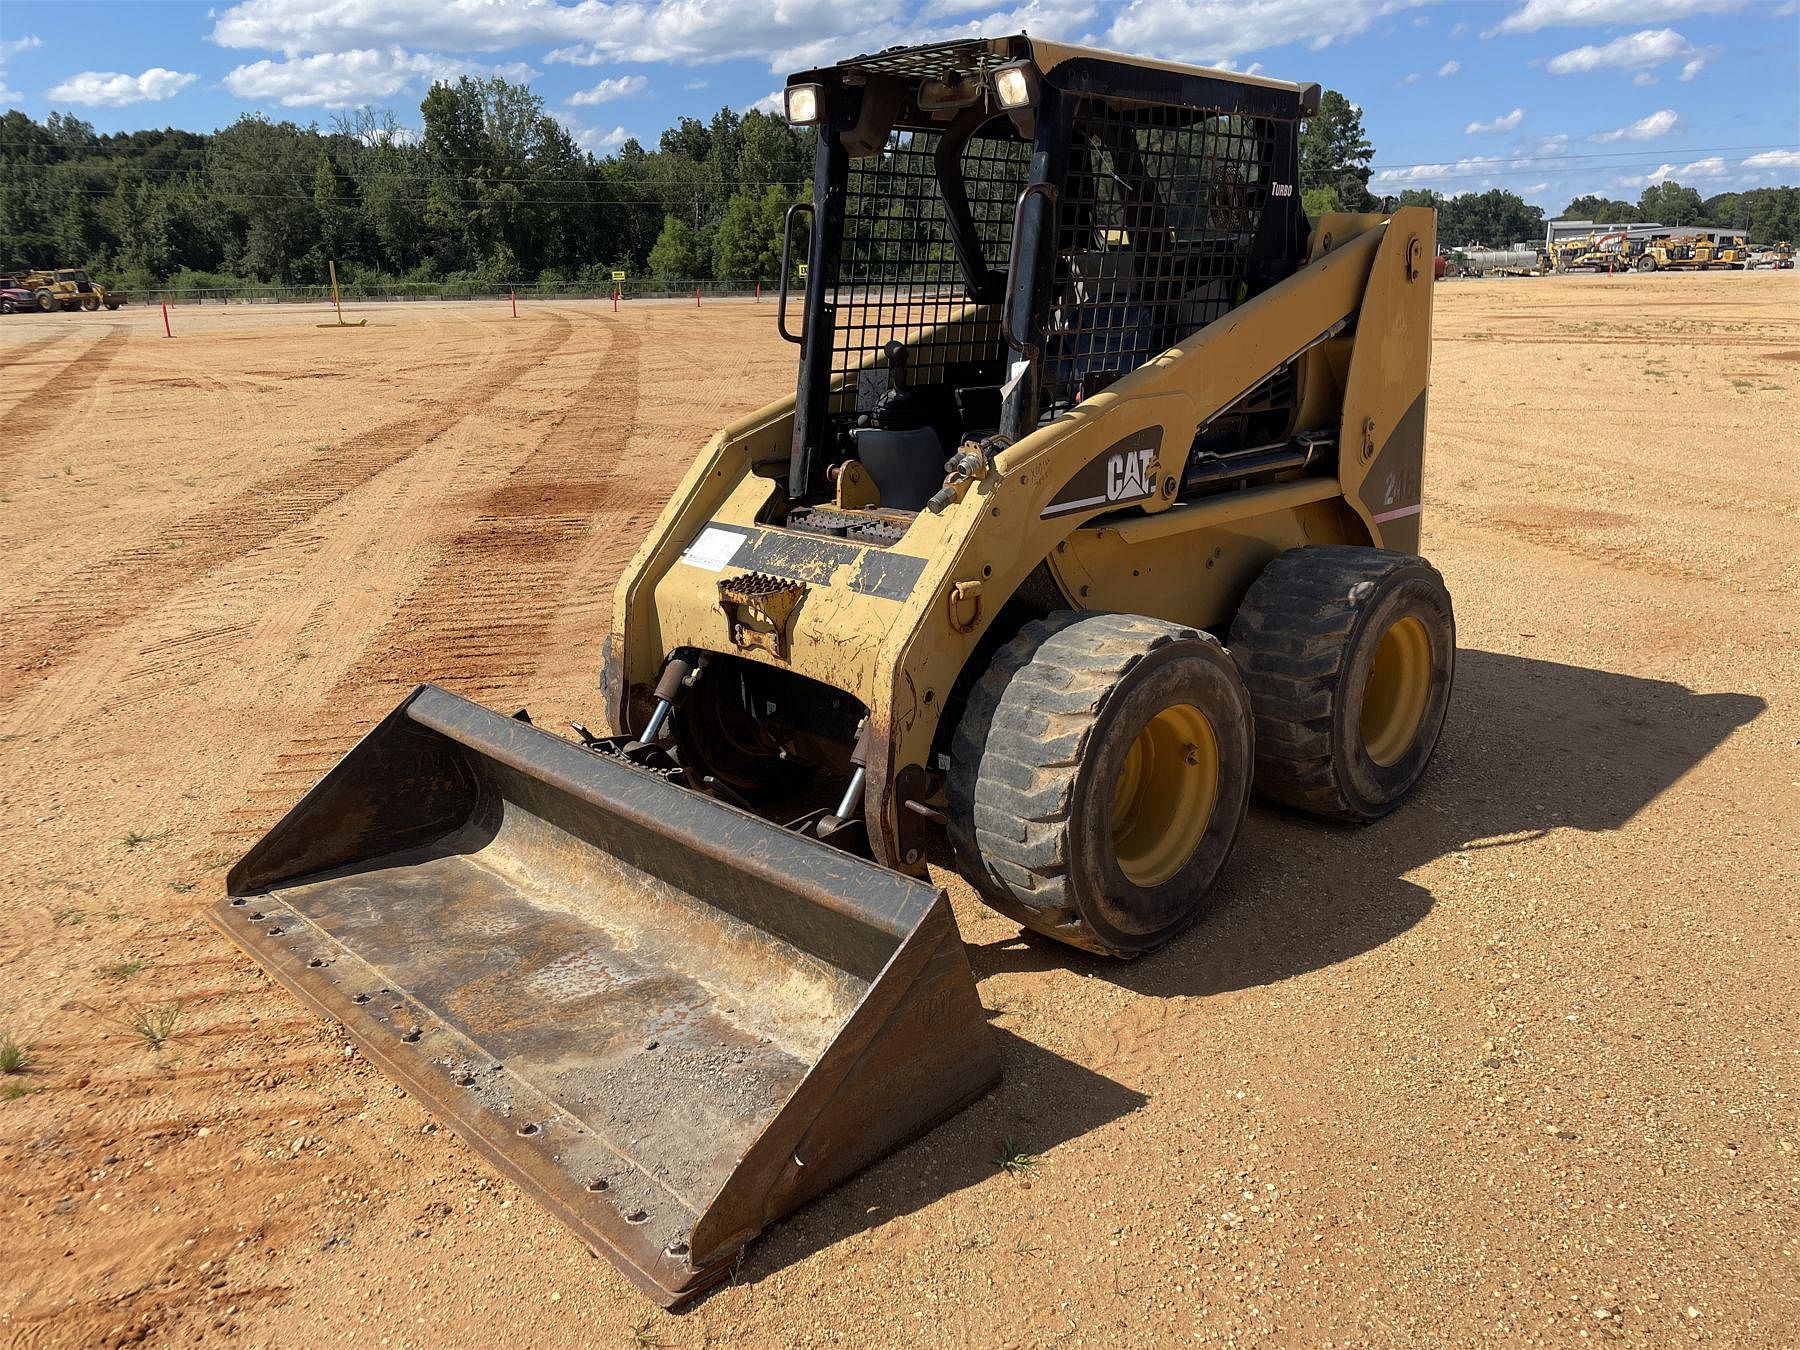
[713,549]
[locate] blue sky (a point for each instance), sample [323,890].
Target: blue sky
[1550,98]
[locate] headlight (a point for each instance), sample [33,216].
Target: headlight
[1015,86]
[803,104]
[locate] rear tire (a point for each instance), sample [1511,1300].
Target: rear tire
[1349,654]
[90,303]
[1646,263]
[46,302]
[1099,778]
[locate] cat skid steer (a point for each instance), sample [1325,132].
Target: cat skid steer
[1097,503]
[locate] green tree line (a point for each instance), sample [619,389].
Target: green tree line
[493,189]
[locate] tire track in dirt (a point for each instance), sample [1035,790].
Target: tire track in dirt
[479,621]
[28,349]
[113,590]
[77,378]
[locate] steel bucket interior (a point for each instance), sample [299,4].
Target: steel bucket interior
[669,1020]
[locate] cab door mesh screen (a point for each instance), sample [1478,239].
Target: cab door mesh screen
[1155,222]
[898,274]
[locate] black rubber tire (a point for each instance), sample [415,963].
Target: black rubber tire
[46,302]
[1646,263]
[1036,757]
[1305,639]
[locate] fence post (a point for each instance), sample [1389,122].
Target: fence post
[696,297]
[513,292]
[167,331]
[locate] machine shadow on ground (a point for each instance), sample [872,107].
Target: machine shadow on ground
[1529,746]
[1041,1097]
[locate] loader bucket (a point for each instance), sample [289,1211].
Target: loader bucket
[668,1020]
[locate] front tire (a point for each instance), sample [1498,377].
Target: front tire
[1099,778]
[1646,263]
[1349,654]
[46,302]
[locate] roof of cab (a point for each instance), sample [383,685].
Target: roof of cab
[981,54]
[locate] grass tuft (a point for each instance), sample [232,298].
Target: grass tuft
[1013,1158]
[68,915]
[154,1025]
[644,1333]
[136,838]
[15,1055]
[181,887]
[13,1091]
[123,970]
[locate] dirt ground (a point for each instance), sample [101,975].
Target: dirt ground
[1516,1065]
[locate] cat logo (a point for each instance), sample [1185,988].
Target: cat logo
[1123,473]
[1127,475]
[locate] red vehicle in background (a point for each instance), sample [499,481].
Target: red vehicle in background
[14,298]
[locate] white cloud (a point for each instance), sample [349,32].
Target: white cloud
[1413,77]
[578,55]
[353,78]
[789,34]
[1692,68]
[1710,167]
[1448,69]
[622,86]
[1635,51]
[692,85]
[11,47]
[1646,128]
[1206,30]
[774,104]
[293,27]
[1472,167]
[1773,159]
[1643,79]
[1536,14]
[107,89]
[1509,122]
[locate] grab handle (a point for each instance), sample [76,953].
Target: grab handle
[1007,331]
[787,254]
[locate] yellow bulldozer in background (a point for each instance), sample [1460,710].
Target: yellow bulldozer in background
[1095,509]
[68,288]
[1688,253]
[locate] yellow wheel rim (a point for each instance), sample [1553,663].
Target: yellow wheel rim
[1165,795]
[1398,688]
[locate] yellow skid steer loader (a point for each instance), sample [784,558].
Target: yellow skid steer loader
[1097,503]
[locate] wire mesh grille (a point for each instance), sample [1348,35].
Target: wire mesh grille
[898,274]
[1154,228]
[946,61]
